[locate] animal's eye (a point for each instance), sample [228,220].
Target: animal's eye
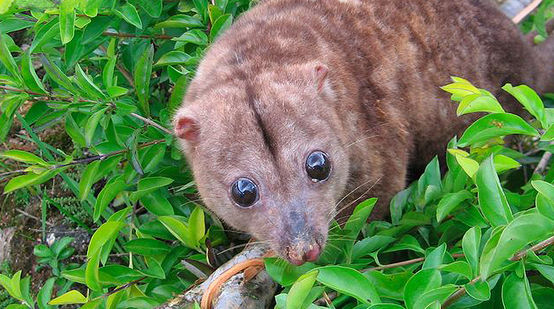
[318,166]
[244,192]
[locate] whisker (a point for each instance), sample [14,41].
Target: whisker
[361,195]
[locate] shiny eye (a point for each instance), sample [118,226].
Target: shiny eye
[244,192]
[318,166]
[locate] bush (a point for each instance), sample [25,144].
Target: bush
[111,74]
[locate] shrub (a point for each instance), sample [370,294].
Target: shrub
[111,73]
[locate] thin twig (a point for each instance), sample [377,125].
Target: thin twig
[31,216]
[543,163]
[523,13]
[518,256]
[405,263]
[140,36]
[152,123]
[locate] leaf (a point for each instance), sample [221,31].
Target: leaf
[423,281]
[5,5]
[348,281]
[174,57]
[57,75]
[503,163]
[548,135]
[458,267]
[437,295]
[180,21]
[480,290]
[524,229]
[285,273]
[157,204]
[32,82]
[516,293]
[479,103]
[45,293]
[103,234]
[469,165]
[86,84]
[92,123]
[300,290]
[148,185]
[359,217]
[529,99]
[108,193]
[470,245]
[196,224]
[92,275]
[492,199]
[147,246]
[151,7]
[222,23]
[370,244]
[178,229]
[129,13]
[23,156]
[407,242]
[67,20]
[495,125]
[195,36]
[143,71]
[435,257]
[7,60]
[450,201]
[545,198]
[87,179]
[29,179]
[91,7]
[71,297]
[74,131]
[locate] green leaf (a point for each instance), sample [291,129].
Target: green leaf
[480,290]
[157,204]
[359,217]
[435,296]
[92,275]
[385,306]
[103,234]
[548,135]
[469,165]
[524,229]
[67,20]
[91,7]
[348,281]
[516,293]
[147,246]
[196,224]
[503,163]
[86,84]
[57,75]
[7,60]
[174,57]
[92,123]
[222,23]
[492,199]
[479,103]
[108,193]
[178,229]
[530,100]
[129,13]
[545,198]
[148,185]
[285,273]
[195,36]
[470,245]
[300,290]
[74,131]
[32,82]
[143,71]
[458,267]
[151,7]
[180,21]
[370,244]
[450,201]
[29,179]
[71,297]
[495,125]
[23,156]
[435,257]
[420,283]
[87,179]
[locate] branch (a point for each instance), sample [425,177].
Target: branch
[528,9]
[518,256]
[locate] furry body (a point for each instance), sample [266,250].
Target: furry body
[356,79]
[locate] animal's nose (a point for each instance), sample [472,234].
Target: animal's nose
[303,255]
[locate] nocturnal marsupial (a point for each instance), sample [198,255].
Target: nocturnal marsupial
[302,102]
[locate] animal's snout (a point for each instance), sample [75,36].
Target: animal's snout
[299,254]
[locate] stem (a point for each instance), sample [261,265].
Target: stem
[518,256]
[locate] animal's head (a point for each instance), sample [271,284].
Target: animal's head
[264,151]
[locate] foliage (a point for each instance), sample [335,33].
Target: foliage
[104,70]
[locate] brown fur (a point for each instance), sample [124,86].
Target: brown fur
[259,107]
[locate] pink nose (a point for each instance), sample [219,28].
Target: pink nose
[298,258]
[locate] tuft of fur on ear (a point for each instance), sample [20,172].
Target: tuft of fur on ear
[187,128]
[320,72]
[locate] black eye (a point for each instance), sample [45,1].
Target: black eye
[244,192]
[318,166]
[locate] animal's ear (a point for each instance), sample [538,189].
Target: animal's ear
[187,128]
[320,74]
